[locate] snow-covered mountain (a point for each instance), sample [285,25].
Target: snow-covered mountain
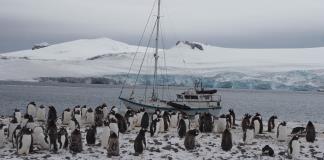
[109,60]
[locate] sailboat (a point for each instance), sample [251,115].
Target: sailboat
[191,101]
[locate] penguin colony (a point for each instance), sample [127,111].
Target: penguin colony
[53,133]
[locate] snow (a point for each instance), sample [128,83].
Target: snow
[291,68]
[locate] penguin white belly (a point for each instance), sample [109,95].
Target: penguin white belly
[40,114]
[90,118]
[62,139]
[139,119]
[24,145]
[105,137]
[78,118]
[131,123]
[31,110]
[66,118]
[187,124]
[256,127]
[282,136]
[196,124]
[275,123]
[173,121]
[221,125]
[105,112]
[232,120]
[215,126]
[2,138]
[72,126]
[11,129]
[18,116]
[114,128]
[249,136]
[161,125]
[39,138]
[24,122]
[31,125]
[157,130]
[295,148]
[84,113]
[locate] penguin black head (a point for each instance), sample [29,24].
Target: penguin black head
[193,132]
[113,135]
[26,131]
[26,116]
[142,109]
[90,110]
[113,120]
[275,117]
[62,131]
[157,111]
[231,111]
[295,137]
[310,123]
[84,106]
[76,131]
[14,120]
[106,123]
[173,113]
[104,105]
[142,131]
[41,106]
[114,110]
[257,114]
[30,118]
[67,110]
[33,103]
[77,112]
[77,106]
[17,110]
[1,126]
[222,116]
[197,113]
[283,123]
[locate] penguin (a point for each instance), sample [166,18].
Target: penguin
[77,108]
[310,132]
[30,122]
[77,117]
[246,122]
[74,124]
[113,145]
[161,124]
[173,120]
[271,123]
[196,120]
[298,130]
[25,141]
[294,147]
[221,123]
[105,110]
[226,140]
[228,121]
[89,117]
[232,114]
[206,123]
[105,135]
[282,131]
[66,116]
[52,114]
[17,115]
[139,117]
[113,125]
[39,138]
[53,135]
[122,124]
[84,111]
[25,119]
[15,136]
[76,141]
[62,138]
[91,135]
[257,123]
[114,110]
[99,116]
[11,128]
[145,121]
[267,151]
[31,109]
[182,128]
[41,113]
[2,135]
[189,141]
[140,142]
[248,135]
[166,121]
[186,120]
[155,126]
[130,120]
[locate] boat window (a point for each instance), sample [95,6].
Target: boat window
[194,97]
[207,97]
[187,97]
[179,96]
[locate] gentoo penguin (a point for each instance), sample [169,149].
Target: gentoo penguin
[41,113]
[2,135]
[298,130]
[30,122]
[145,121]
[196,120]
[122,124]
[31,109]
[186,120]
[77,117]
[221,123]
[246,122]
[173,120]
[113,145]
[25,119]
[52,114]
[271,123]
[139,117]
[257,123]
[76,141]
[17,115]
[206,123]
[84,111]
[105,135]
[248,135]
[166,121]
[105,110]
[140,142]
[99,116]
[12,126]
[25,142]
[39,138]
[282,131]
[113,125]
[89,117]
[15,136]
[267,151]
[52,134]
[91,135]
[189,141]
[62,138]
[66,116]
[155,126]
[310,132]
[226,140]
[294,147]
[228,121]
[129,116]
[74,124]
[232,114]
[182,128]
[161,123]
[77,108]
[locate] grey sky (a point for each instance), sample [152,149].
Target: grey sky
[228,23]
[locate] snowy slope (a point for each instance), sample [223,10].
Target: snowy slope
[223,67]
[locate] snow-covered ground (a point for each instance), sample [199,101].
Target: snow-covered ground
[277,68]
[170,146]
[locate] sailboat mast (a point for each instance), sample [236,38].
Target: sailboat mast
[156,56]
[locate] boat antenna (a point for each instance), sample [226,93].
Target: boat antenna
[156,56]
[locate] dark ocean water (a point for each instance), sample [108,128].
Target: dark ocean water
[290,106]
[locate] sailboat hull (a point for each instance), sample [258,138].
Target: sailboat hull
[165,106]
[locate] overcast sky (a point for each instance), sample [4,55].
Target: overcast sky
[227,23]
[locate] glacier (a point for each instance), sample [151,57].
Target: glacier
[107,61]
